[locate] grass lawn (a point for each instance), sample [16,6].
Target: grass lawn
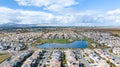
[56,41]
[64,62]
[91,60]
[53,41]
[3,57]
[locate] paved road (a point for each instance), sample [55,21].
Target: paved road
[83,59]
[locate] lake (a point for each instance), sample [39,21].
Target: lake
[75,44]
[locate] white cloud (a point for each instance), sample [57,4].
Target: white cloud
[113,16]
[20,16]
[51,5]
[114,12]
[8,15]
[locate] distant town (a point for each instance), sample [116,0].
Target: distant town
[59,47]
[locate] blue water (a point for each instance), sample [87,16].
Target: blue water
[76,44]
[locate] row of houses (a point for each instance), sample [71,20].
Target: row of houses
[94,59]
[17,61]
[108,57]
[104,38]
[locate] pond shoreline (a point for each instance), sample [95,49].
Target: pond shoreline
[75,44]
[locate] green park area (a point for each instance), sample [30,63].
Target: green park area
[53,41]
[56,41]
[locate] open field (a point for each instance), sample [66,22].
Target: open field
[2,35]
[115,32]
[111,30]
[3,57]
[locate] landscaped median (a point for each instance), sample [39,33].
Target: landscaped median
[3,57]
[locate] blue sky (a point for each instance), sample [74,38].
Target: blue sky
[61,12]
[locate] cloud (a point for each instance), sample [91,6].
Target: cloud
[23,17]
[8,15]
[51,5]
[114,15]
[86,18]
